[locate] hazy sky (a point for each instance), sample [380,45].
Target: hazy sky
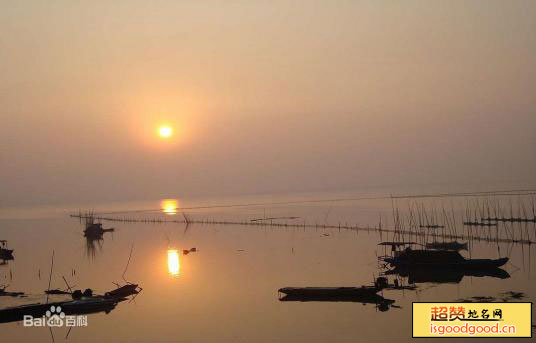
[264,96]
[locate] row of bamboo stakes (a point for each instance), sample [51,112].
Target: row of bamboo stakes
[486,220]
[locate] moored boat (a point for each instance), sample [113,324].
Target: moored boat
[90,305]
[329,291]
[95,230]
[382,303]
[333,292]
[5,253]
[441,259]
[84,305]
[423,274]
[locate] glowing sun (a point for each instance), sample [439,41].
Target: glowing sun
[165,131]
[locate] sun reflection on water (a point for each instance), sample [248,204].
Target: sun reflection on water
[169,206]
[174,265]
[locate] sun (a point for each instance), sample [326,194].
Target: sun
[165,131]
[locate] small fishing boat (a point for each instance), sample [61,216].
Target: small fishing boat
[57,292]
[95,230]
[84,305]
[17,313]
[4,293]
[5,253]
[334,292]
[329,291]
[436,275]
[376,299]
[441,259]
[89,305]
[363,295]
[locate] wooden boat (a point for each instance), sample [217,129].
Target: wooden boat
[436,275]
[332,292]
[364,296]
[17,313]
[441,259]
[5,253]
[90,305]
[379,284]
[95,230]
[367,299]
[57,292]
[4,293]
[85,305]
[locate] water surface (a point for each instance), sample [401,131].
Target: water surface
[226,291]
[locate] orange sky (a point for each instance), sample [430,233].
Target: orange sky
[263,96]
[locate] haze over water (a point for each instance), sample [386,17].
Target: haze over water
[227,289]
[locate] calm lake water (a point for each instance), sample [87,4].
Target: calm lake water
[226,291]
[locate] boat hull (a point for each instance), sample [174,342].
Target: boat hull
[364,299]
[6,254]
[442,275]
[328,291]
[72,307]
[466,264]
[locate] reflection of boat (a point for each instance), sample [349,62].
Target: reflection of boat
[73,307]
[94,234]
[441,275]
[91,246]
[441,259]
[5,253]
